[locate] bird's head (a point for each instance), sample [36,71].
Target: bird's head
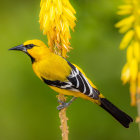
[36,49]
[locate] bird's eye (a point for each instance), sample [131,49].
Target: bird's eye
[29,46]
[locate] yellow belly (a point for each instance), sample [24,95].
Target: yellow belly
[74,93]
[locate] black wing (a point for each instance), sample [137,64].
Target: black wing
[81,83]
[76,81]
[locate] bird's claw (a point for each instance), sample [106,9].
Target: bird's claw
[61,102]
[62,106]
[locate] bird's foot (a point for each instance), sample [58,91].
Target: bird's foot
[64,104]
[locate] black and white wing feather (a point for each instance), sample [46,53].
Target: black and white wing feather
[76,81]
[81,83]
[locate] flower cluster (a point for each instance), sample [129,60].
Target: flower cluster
[130,25]
[56,19]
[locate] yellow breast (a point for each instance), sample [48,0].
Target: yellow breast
[52,68]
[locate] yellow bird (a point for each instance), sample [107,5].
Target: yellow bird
[67,78]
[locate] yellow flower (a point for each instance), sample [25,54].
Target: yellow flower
[138,89]
[125,75]
[125,9]
[133,69]
[133,92]
[56,19]
[131,40]
[124,22]
[136,52]
[126,39]
[125,28]
[129,54]
[138,31]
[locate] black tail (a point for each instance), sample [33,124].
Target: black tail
[119,115]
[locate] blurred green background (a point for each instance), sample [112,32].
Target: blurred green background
[28,107]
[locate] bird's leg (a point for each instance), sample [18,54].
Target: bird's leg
[64,104]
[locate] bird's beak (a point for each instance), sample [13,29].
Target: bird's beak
[19,48]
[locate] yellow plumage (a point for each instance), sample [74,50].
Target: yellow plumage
[66,78]
[53,67]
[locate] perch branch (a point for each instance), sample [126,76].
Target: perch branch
[63,119]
